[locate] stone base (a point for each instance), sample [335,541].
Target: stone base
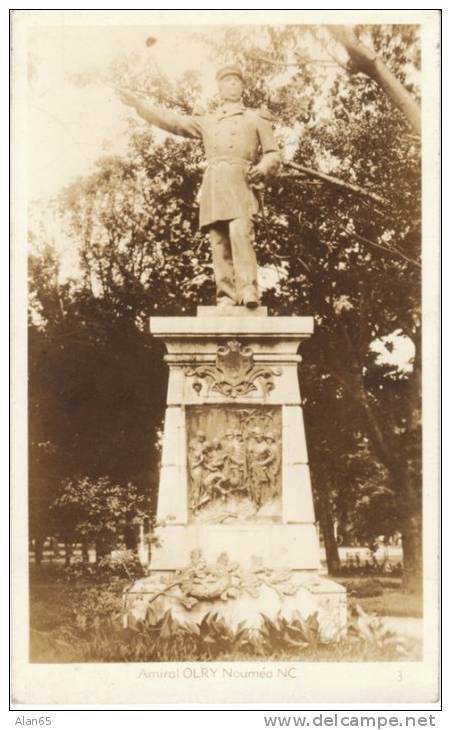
[312,594]
[291,546]
[235,516]
[232,311]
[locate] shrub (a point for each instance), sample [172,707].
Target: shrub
[122,563]
[118,565]
[355,566]
[98,511]
[79,572]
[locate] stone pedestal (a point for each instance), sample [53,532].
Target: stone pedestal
[235,509]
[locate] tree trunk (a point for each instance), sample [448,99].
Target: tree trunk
[67,553]
[38,550]
[84,551]
[364,60]
[130,536]
[102,549]
[412,554]
[407,493]
[330,543]
[411,529]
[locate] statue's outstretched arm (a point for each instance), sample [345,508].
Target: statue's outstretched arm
[181,124]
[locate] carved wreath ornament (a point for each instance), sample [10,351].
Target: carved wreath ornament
[224,580]
[234,373]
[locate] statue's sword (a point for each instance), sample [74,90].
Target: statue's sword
[259,190]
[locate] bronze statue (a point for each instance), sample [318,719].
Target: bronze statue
[241,152]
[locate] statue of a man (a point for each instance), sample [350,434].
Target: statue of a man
[241,152]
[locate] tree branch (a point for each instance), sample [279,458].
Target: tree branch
[356,189]
[363,239]
[303,61]
[364,60]
[390,249]
[161,97]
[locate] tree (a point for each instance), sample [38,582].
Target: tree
[93,381]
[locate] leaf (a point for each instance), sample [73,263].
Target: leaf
[189,602]
[167,626]
[287,639]
[209,640]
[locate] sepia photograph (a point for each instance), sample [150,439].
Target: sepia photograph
[226,260]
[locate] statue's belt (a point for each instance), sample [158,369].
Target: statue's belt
[230,160]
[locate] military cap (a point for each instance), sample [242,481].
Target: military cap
[230,70]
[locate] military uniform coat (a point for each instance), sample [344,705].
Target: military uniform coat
[234,138]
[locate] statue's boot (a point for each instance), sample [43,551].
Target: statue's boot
[225,302]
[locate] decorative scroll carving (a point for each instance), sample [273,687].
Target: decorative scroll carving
[234,463]
[234,373]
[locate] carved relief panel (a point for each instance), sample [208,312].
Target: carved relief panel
[234,463]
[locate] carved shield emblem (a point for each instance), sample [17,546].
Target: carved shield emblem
[235,373]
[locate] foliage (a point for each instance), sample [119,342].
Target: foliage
[100,637]
[78,572]
[122,563]
[94,380]
[282,633]
[371,635]
[370,567]
[98,511]
[213,637]
[374,560]
[98,605]
[115,566]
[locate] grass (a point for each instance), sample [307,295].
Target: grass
[382,596]
[82,622]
